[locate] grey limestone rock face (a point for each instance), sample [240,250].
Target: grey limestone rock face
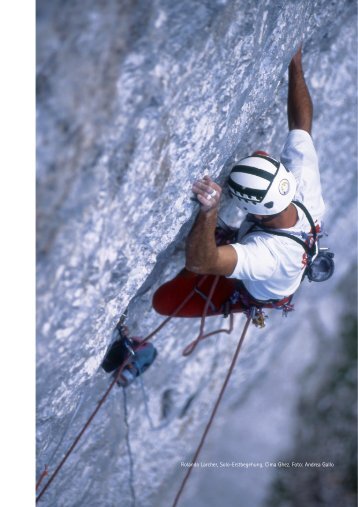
[134,101]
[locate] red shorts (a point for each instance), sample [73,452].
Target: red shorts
[170,295]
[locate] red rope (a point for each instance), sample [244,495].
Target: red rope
[228,331]
[190,348]
[104,397]
[89,420]
[197,452]
[43,474]
[177,310]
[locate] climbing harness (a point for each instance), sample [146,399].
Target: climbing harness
[242,296]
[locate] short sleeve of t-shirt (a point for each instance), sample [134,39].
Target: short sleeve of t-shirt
[254,260]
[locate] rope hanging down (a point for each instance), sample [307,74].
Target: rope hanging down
[89,420]
[201,336]
[103,399]
[206,431]
[188,350]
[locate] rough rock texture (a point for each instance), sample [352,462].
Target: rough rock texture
[323,460]
[135,100]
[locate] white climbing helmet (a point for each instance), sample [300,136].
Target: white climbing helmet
[261,185]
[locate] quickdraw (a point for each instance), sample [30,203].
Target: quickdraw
[258,318]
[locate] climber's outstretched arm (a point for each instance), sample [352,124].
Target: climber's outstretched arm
[299,103]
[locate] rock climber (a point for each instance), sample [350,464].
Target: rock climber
[267,268]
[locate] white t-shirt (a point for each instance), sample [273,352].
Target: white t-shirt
[271,267]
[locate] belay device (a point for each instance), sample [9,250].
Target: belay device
[137,354]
